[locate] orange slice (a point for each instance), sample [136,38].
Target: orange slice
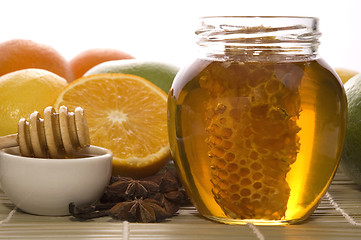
[126,114]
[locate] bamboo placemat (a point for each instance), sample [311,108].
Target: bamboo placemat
[337,217]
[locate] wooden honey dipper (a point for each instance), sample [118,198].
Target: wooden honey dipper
[55,136]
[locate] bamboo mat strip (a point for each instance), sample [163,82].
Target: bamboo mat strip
[125,230]
[9,216]
[339,209]
[256,231]
[326,223]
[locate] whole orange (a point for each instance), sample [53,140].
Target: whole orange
[89,58]
[18,54]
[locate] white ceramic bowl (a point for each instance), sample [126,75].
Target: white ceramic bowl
[47,186]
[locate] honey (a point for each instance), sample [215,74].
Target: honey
[256,139]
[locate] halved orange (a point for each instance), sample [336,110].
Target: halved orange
[126,114]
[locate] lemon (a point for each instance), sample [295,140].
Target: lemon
[159,73]
[351,155]
[25,91]
[345,74]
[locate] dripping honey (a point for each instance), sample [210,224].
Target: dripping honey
[256,141]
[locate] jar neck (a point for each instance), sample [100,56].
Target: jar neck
[259,38]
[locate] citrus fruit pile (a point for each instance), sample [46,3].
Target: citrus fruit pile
[124,102]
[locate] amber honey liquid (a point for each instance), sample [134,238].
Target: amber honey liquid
[256,141]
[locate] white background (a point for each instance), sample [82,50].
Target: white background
[164,30]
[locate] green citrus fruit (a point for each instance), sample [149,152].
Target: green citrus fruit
[351,155]
[159,73]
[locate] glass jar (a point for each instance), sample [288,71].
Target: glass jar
[257,122]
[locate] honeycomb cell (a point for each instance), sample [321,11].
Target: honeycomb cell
[226,133]
[232,167]
[257,185]
[229,157]
[235,197]
[218,152]
[256,166]
[257,176]
[245,192]
[215,140]
[246,182]
[234,188]
[247,132]
[226,144]
[244,172]
[245,200]
[222,174]
[220,163]
[215,129]
[223,121]
[234,178]
[254,155]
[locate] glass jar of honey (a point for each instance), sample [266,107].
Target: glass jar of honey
[257,122]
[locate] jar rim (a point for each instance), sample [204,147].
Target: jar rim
[260,16]
[259,35]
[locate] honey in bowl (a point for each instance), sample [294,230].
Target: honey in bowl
[256,131]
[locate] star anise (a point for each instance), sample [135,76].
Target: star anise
[139,210]
[88,211]
[170,195]
[150,199]
[128,188]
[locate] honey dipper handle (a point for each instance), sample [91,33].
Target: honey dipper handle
[8,141]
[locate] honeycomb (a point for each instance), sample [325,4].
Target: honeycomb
[251,125]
